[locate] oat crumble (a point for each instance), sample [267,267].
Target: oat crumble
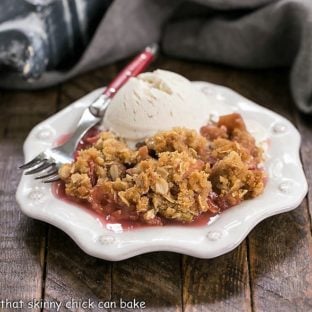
[176,174]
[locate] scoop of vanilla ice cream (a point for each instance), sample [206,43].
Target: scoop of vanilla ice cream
[155,101]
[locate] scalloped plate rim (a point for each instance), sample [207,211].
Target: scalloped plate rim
[115,253]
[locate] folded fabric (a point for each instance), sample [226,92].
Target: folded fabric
[246,34]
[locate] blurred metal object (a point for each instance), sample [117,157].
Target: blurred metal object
[37,35]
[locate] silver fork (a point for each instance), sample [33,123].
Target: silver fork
[50,160]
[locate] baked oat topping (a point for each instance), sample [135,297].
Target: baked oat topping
[177,174]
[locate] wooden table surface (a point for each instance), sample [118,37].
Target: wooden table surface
[271,270]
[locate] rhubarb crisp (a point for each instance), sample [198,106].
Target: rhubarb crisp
[174,175]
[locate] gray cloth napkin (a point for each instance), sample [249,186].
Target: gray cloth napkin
[241,33]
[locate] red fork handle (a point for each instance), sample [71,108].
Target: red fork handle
[135,67]
[98,107]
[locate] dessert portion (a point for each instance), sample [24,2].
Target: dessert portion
[160,158]
[174,174]
[157,101]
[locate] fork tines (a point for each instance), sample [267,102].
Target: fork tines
[41,164]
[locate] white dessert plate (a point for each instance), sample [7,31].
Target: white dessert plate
[285,189]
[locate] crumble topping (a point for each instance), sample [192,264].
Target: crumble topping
[176,174]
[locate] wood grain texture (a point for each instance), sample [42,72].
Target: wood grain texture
[304,124]
[280,263]
[154,279]
[270,271]
[83,84]
[71,275]
[266,87]
[280,248]
[135,278]
[21,239]
[220,284]
[23,110]
[3,123]
[23,103]
[290,275]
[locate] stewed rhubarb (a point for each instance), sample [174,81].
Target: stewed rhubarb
[178,176]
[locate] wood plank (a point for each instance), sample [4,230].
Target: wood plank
[280,263]
[220,284]
[194,71]
[304,124]
[280,268]
[20,125]
[76,88]
[3,123]
[68,268]
[264,87]
[23,110]
[22,240]
[282,283]
[153,279]
[70,273]
[123,271]
[25,102]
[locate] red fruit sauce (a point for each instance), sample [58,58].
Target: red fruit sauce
[58,189]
